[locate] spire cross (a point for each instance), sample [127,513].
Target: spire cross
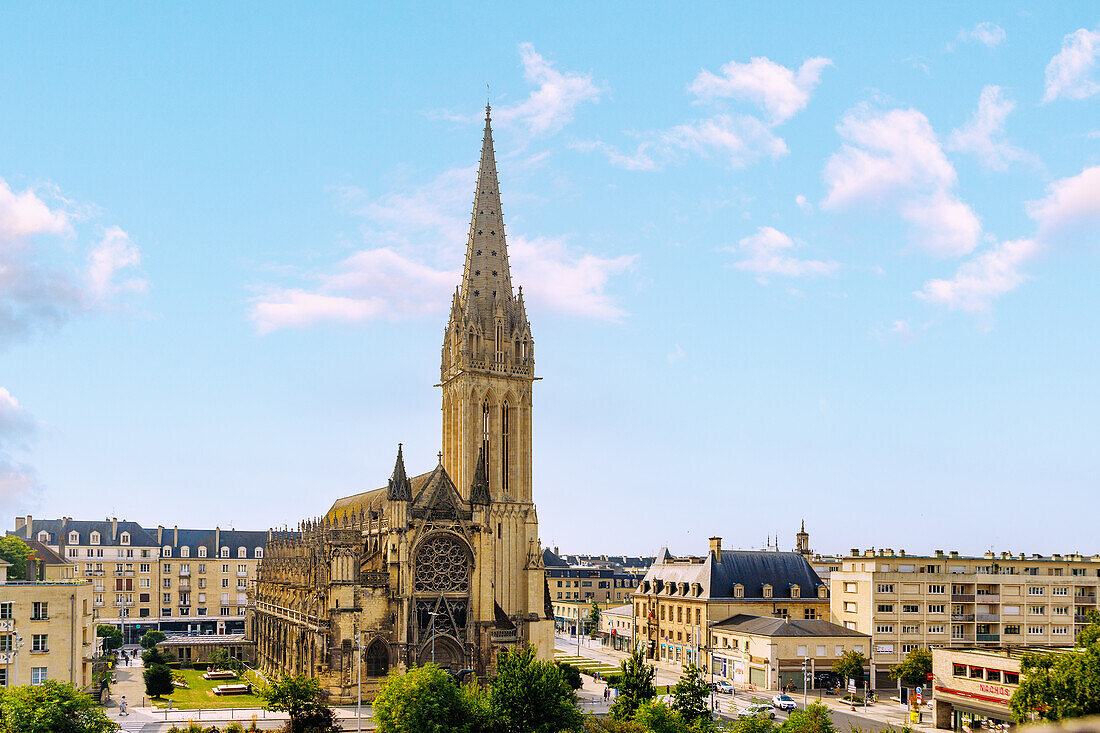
[440,454]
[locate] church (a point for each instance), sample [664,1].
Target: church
[443,566]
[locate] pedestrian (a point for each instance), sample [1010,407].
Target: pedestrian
[122,706]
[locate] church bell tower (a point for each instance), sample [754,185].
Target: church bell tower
[488,357]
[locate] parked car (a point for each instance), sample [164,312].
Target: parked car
[724,687]
[784,702]
[757,711]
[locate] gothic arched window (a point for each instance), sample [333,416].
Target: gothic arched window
[485,419]
[504,447]
[378,659]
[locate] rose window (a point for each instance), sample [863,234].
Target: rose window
[441,566]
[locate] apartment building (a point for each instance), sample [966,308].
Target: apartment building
[46,625]
[947,599]
[191,581]
[679,598]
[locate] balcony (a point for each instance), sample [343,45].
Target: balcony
[184,573]
[184,585]
[1080,618]
[955,638]
[987,598]
[1083,599]
[962,597]
[242,573]
[989,637]
[962,617]
[988,618]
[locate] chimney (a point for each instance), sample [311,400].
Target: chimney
[32,568]
[30,527]
[217,542]
[175,536]
[20,523]
[114,529]
[854,552]
[716,548]
[557,551]
[160,535]
[939,553]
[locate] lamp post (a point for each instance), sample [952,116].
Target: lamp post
[433,614]
[359,680]
[17,644]
[805,680]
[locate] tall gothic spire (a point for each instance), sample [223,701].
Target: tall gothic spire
[486,277]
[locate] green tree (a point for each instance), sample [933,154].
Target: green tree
[850,666]
[1059,685]
[428,700]
[300,697]
[814,719]
[149,657]
[151,638]
[15,551]
[572,675]
[655,716]
[158,680]
[594,617]
[915,668]
[529,695]
[691,696]
[52,707]
[635,686]
[112,636]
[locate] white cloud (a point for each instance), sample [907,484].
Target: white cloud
[553,104]
[803,203]
[417,243]
[736,139]
[768,253]
[780,91]
[1071,204]
[983,135]
[979,281]
[902,330]
[40,283]
[894,159]
[115,252]
[16,426]
[987,33]
[1070,73]
[676,354]
[24,215]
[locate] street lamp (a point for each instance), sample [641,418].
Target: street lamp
[805,679]
[17,644]
[433,614]
[359,680]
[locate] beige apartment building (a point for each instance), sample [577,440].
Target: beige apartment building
[946,599]
[679,598]
[971,687]
[46,626]
[191,581]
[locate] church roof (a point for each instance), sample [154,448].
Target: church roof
[373,499]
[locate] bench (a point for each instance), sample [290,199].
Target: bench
[233,690]
[223,674]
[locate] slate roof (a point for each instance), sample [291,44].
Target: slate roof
[195,538]
[44,554]
[751,568]
[59,530]
[551,560]
[771,626]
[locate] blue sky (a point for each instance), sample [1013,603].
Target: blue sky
[781,261]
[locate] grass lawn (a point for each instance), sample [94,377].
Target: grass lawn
[200,693]
[591,666]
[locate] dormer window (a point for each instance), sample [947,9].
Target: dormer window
[259,553]
[796,592]
[767,590]
[94,538]
[202,550]
[166,552]
[74,538]
[185,551]
[242,552]
[225,552]
[822,591]
[738,591]
[43,536]
[124,538]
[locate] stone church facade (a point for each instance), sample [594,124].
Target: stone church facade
[445,565]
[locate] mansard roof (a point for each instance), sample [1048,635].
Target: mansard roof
[195,538]
[772,626]
[59,531]
[752,569]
